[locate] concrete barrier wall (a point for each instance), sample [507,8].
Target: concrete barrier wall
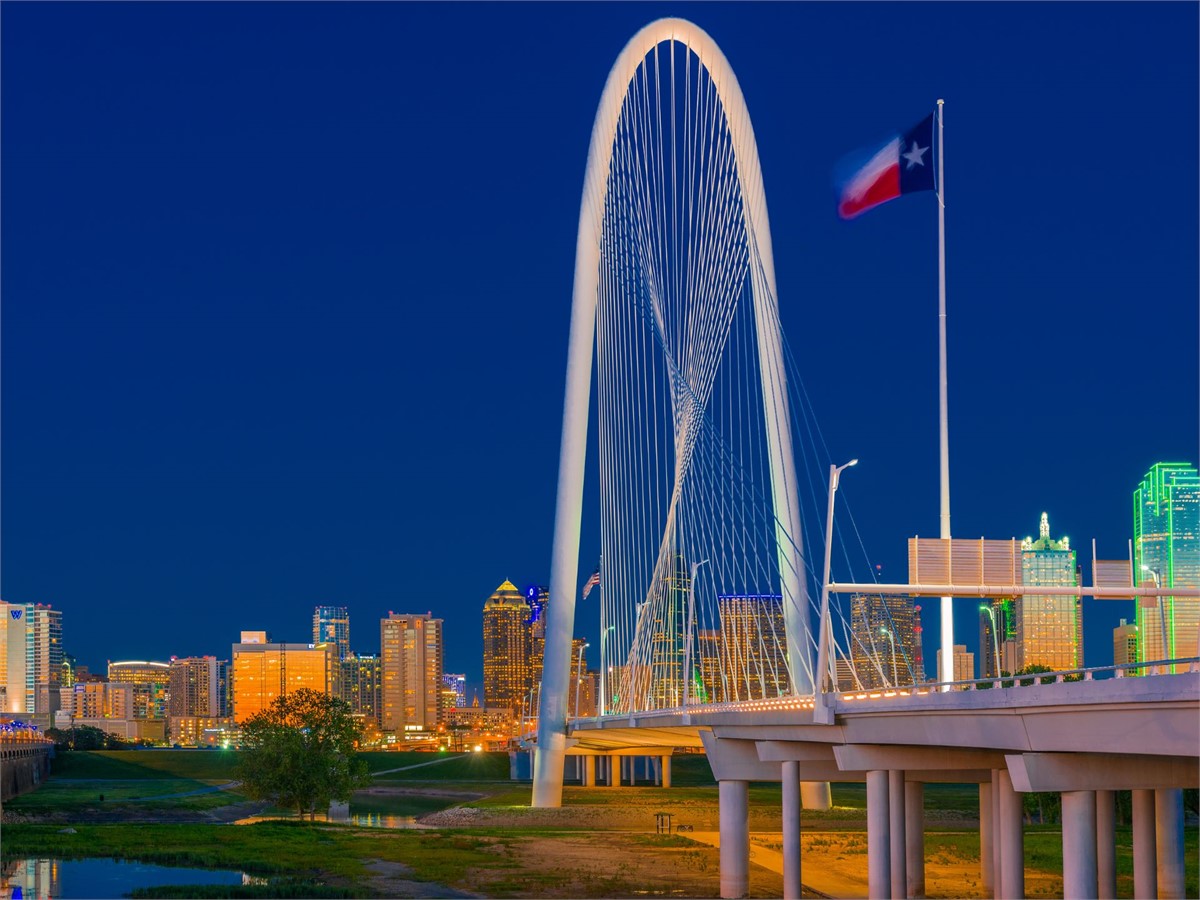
[22,769]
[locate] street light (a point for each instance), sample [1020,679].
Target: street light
[604,667]
[687,647]
[579,676]
[825,679]
[883,629]
[1162,616]
[987,608]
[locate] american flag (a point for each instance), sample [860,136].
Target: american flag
[592,582]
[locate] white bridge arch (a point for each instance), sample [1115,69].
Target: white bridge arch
[597,269]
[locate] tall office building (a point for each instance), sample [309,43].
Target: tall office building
[1049,626]
[199,687]
[885,641]
[12,657]
[711,678]
[662,682]
[1166,547]
[538,598]
[1125,641]
[457,684]
[362,685]
[411,653]
[754,647]
[964,663]
[506,649]
[998,644]
[43,660]
[262,671]
[331,625]
[151,682]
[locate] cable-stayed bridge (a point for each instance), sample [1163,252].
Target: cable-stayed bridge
[716,628]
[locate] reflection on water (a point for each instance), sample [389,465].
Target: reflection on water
[100,879]
[363,819]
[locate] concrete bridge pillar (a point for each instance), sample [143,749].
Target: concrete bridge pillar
[791,830]
[898,846]
[879,868]
[734,799]
[997,874]
[614,771]
[985,835]
[1079,845]
[1168,824]
[1012,839]
[666,771]
[914,837]
[589,771]
[629,764]
[1106,847]
[1145,864]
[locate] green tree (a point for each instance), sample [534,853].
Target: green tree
[299,752]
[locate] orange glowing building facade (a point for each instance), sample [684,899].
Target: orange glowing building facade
[261,672]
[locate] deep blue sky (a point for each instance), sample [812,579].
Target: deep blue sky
[286,291]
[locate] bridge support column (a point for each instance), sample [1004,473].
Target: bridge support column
[666,771]
[791,830]
[1079,845]
[879,869]
[815,795]
[1168,816]
[1106,848]
[896,823]
[997,832]
[631,764]
[589,771]
[914,837]
[734,799]
[985,835]
[614,771]
[1145,856]
[1012,839]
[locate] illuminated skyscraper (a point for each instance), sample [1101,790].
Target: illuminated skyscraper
[535,634]
[362,685]
[151,682]
[261,672]
[1049,627]
[507,674]
[331,625]
[458,685]
[1166,547]
[1125,640]
[199,687]
[12,657]
[1002,612]
[755,646]
[411,654]
[43,660]
[885,640]
[964,663]
[665,674]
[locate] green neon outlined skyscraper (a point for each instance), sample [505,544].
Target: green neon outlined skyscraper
[1166,550]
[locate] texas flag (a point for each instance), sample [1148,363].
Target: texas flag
[901,166]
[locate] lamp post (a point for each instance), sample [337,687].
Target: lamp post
[579,676]
[687,637]
[604,666]
[824,679]
[987,608]
[1162,615]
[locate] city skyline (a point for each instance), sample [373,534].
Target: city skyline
[220,392]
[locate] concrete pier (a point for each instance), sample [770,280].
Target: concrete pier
[734,799]
[1079,845]
[879,868]
[914,838]
[791,830]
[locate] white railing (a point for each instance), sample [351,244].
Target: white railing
[807,701]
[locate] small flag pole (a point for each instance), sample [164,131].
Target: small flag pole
[947,673]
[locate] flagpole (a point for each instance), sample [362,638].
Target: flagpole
[947,668]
